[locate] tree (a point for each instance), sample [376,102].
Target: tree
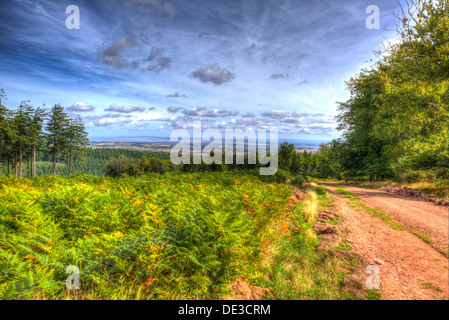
[356,119]
[76,138]
[35,136]
[286,152]
[115,167]
[397,114]
[4,123]
[414,108]
[21,130]
[297,166]
[330,156]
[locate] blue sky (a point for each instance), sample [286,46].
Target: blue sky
[139,68]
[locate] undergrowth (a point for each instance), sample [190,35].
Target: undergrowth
[297,270]
[161,236]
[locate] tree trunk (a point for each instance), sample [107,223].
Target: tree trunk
[54,162]
[30,165]
[14,166]
[20,159]
[34,161]
[70,162]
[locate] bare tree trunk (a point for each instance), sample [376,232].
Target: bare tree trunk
[14,165]
[20,159]
[30,165]
[34,161]
[54,162]
[70,162]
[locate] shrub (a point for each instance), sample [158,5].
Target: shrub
[280,176]
[413,176]
[359,178]
[442,173]
[298,181]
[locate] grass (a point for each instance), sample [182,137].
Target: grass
[372,294]
[428,285]
[295,269]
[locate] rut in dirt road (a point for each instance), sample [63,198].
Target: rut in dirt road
[421,216]
[409,267]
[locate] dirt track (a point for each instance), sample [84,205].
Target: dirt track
[421,216]
[409,267]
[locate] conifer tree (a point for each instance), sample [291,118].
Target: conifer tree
[76,138]
[57,132]
[21,125]
[35,136]
[3,122]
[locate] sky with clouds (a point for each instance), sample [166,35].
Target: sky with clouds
[141,68]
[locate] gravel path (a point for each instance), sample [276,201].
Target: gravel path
[409,267]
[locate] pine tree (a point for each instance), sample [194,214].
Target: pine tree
[286,152]
[76,138]
[21,124]
[57,132]
[4,112]
[35,136]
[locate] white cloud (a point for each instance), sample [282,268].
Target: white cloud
[80,107]
[104,122]
[125,109]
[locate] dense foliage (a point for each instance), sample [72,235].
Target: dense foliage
[396,120]
[27,130]
[89,160]
[157,236]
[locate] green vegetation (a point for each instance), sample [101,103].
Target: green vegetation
[89,161]
[122,165]
[161,236]
[170,236]
[374,295]
[429,285]
[395,124]
[22,135]
[295,268]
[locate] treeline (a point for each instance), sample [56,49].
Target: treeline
[116,167]
[28,130]
[396,121]
[89,160]
[292,165]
